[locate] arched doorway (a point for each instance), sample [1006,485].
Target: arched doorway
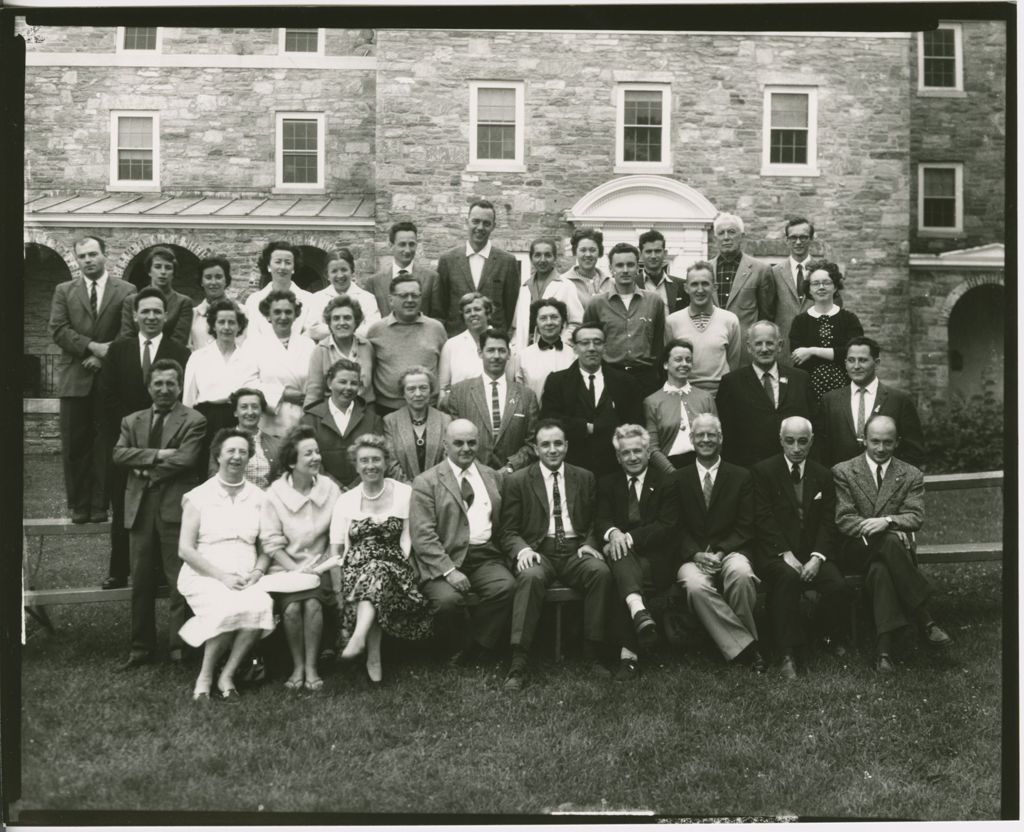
[186,273]
[312,276]
[976,341]
[44,269]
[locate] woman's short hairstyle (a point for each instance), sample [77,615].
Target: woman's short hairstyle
[369,440]
[545,241]
[671,345]
[834,274]
[222,436]
[469,297]
[418,370]
[242,392]
[339,301]
[216,260]
[587,234]
[341,254]
[289,452]
[340,365]
[163,253]
[556,304]
[225,305]
[278,245]
[628,431]
[275,296]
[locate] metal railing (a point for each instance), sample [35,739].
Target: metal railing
[40,376]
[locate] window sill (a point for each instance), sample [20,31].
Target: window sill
[293,190]
[790,170]
[940,233]
[940,92]
[642,167]
[134,187]
[487,166]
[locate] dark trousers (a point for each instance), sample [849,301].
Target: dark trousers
[682,460]
[587,575]
[632,573]
[218,415]
[493,585]
[154,544]
[120,557]
[647,377]
[784,590]
[894,584]
[84,452]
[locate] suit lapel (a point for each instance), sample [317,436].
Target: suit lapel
[407,440]
[651,483]
[698,491]
[743,270]
[892,481]
[783,385]
[513,392]
[172,422]
[865,479]
[448,481]
[880,398]
[476,395]
[847,414]
[108,298]
[431,436]
[537,484]
[355,418]
[790,279]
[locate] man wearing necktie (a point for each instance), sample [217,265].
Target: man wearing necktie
[404,240]
[790,276]
[879,505]
[797,545]
[124,389]
[753,400]
[713,505]
[547,519]
[159,447]
[85,316]
[844,412]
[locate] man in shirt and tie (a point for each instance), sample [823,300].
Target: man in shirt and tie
[505,412]
[124,389]
[844,412]
[547,518]
[477,266]
[85,317]
[404,239]
[159,447]
[789,276]
[879,505]
[454,517]
[713,503]
[753,400]
[794,511]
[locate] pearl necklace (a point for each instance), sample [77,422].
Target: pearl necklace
[376,496]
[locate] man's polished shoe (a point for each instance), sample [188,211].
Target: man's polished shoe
[136,660]
[883,664]
[79,517]
[788,668]
[627,671]
[516,677]
[936,636]
[98,517]
[646,629]
[114,583]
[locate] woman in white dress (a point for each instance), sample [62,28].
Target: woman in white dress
[219,531]
[549,353]
[545,282]
[460,355]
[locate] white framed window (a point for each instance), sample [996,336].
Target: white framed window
[642,128]
[497,122]
[940,198]
[300,153]
[940,59]
[138,39]
[134,150]
[790,131]
[301,41]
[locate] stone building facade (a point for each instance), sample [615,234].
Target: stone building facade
[416,123]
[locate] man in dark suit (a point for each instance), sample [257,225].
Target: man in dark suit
[340,418]
[455,520]
[713,502]
[794,512]
[637,538]
[480,267]
[124,390]
[753,400]
[504,411]
[879,505]
[404,240]
[654,276]
[591,399]
[85,317]
[743,285]
[844,412]
[159,447]
[547,519]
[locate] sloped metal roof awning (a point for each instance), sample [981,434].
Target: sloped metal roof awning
[164,210]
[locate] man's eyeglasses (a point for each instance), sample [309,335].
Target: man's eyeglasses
[801,238]
[407,295]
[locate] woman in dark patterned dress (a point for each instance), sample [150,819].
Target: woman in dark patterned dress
[817,337]
[370,533]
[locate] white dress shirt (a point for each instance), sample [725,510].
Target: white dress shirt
[773,372]
[871,392]
[476,262]
[502,392]
[101,287]
[563,491]
[154,345]
[210,376]
[341,417]
[478,514]
[598,382]
[874,466]
[683,443]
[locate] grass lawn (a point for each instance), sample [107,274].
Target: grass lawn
[692,737]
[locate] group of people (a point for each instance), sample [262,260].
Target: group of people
[437,444]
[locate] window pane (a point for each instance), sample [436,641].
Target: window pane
[496,106]
[301,40]
[789,109]
[299,135]
[495,141]
[940,182]
[788,147]
[300,168]
[641,144]
[135,132]
[139,37]
[939,213]
[939,72]
[940,44]
[135,165]
[642,108]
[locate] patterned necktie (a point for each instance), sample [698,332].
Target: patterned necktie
[468,494]
[156,430]
[633,502]
[590,390]
[878,476]
[708,487]
[861,391]
[795,473]
[93,303]
[147,359]
[495,409]
[799,277]
[556,498]
[766,380]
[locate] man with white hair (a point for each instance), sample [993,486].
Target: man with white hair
[713,503]
[743,285]
[797,544]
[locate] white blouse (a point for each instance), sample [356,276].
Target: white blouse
[534,365]
[319,300]
[210,376]
[348,509]
[258,325]
[460,359]
[559,288]
[280,367]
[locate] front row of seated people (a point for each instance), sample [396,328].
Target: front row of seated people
[466,539]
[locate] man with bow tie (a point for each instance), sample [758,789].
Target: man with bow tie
[879,505]
[794,512]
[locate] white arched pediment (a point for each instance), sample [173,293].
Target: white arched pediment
[654,200]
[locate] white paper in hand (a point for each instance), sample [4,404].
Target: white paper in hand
[288,582]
